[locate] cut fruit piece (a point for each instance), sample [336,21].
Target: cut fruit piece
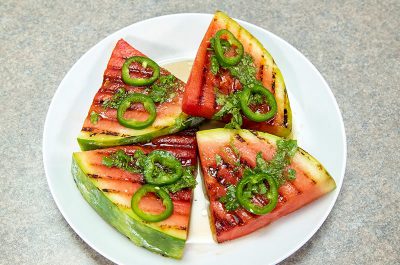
[226,153]
[204,85]
[101,128]
[109,191]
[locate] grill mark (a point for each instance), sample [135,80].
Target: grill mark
[260,72]
[115,80]
[244,163]
[240,138]
[212,172]
[95,176]
[285,118]
[90,129]
[273,82]
[313,181]
[111,191]
[87,129]
[239,219]
[222,225]
[175,227]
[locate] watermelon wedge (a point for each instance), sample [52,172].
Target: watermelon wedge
[207,81]
[225,155]
[101,128]
[109,191]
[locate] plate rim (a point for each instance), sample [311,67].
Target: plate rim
[46,128]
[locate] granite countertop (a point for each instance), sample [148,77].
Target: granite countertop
[354,44]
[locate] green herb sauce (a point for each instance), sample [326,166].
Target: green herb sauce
[94,117]
[137,163]
[161,91]
[277,168]
[245,71]
[229,200]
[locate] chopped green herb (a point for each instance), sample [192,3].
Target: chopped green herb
[121,160]
[94,117]
[180,122]
[236,120]
[276,167]
[214,65]
[161,90]
[137,163]
[229,200]
[230,105]
[140,159]
[245,71]
[291,174]
[256,99]
[219,160]
[186,181]
[158,93]
[116,99]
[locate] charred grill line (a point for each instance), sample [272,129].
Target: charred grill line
[90,129]
[240,138]
[175,227]
[260,72]
[273,81]
[285,118]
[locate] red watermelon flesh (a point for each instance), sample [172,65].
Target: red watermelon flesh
[311,182]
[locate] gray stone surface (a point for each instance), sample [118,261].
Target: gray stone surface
[354,44]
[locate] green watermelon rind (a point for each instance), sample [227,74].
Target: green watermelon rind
[87,144]
[137,232]
[283,130]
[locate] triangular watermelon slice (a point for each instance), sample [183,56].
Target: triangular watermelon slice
[109,190]
[228,156]
[101,128]
[209,84]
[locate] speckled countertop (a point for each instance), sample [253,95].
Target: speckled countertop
[354,44]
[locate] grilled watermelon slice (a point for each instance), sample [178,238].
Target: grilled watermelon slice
[101,128]
[200,98]
[238,149]
[109,191]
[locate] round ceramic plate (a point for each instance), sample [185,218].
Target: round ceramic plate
[318,127]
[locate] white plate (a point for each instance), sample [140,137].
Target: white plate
[318,126]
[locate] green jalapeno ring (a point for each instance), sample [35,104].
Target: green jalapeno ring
[219,51]
[165,159]
[270,99]
[148,105]
[163,195]
[146,62]
[272,194]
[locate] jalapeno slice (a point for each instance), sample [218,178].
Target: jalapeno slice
[154,175]
[145,62]
[270,99]
[220,52]
[163,195]
[244,193]
[148,105]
